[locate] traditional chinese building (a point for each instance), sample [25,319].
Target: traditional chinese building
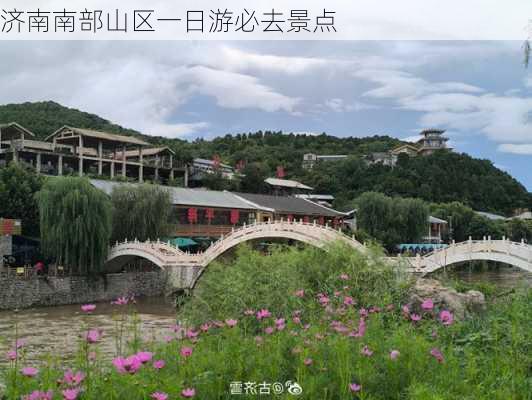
[311,159]
[286,187]
[432,141]
[76,151]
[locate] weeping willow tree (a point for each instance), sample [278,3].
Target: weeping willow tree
[75,221]
[140,212]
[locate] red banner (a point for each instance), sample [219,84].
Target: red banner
[235,216]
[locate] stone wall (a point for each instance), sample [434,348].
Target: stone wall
[53,291]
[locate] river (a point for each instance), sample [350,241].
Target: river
[57,330]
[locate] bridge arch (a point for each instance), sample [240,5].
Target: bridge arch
[504,251]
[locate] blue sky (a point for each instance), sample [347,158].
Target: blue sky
[478,91]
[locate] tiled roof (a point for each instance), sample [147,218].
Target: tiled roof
[286,183]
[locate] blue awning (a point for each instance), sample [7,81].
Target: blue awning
[420,246]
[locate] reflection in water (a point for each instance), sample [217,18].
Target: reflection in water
[57,330]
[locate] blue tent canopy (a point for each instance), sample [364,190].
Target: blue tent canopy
[180,242]
[420,246]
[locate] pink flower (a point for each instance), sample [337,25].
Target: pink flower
[280,321]
[300,293]
[192,333]
[366,351]
[348,301]
[159,364]
[394,354]
[20,343]
[427,305]
[72,379]
[11,355]
[355,387]
[159,396]
[268,330]
[323,299]
[121,301]
[144,356]
[446,317]
[38,395]
[249,312]
[363,312]
[390,307]
[231,322]
[70,394]
[188,393]
[281,327]
[308,361]
[296,320]
[88,308]
[437,354]
[344,277]
[93,336]
[127,365]
[205,327]
[186,351]
[30,372]
[406,309]
[415,317]
[263,314]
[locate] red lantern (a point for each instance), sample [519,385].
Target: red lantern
[289,217]
[235,216]
[192,215]
[321,220]
[306,219]
[280,172]
[209,214]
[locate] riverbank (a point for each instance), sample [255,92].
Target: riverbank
[42,291]
[331,325]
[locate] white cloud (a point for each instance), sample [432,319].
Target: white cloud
[339,105]
[521,149]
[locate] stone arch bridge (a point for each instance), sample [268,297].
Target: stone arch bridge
[183,269]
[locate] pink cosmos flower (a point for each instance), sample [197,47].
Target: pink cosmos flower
[71,379]
[231,322]
[446,317]
[427,305]
[144,356]
[192,333]
[93,336]
[121,301]
[344,277]
[394,354]
[70,394]
[30,372]
[159,364]
[205,327]
[88,308]
[263,314]
[405,309]
[355,387]
[348,301]
[296,320]
[366,351]
[38,395]
[20,343]
[186,351]
[300,293]
[11,355]
[268,330]
[159,396]
[188,393]
[308,361]
[363,312]
[323,299]
[415,317]
[437,354]
[361,328]
[168,338]
[128,365]
[281,327]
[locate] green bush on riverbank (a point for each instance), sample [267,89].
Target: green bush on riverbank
[332,322]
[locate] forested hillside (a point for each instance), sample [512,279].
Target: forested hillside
[442,177]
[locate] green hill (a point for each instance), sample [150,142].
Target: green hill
[441,177]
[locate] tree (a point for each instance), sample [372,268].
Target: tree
[253,179]
[140,212]
[413,215]
[459,217]
[18,186]
[517,229]
[75,222]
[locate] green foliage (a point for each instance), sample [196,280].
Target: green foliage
[75,222]
[17,188]
[253,281]
[391,220]
[140,212]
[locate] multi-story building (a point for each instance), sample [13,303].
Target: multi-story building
[311,159]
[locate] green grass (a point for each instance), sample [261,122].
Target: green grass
[485,357]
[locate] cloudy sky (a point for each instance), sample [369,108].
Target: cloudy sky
[478,91]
